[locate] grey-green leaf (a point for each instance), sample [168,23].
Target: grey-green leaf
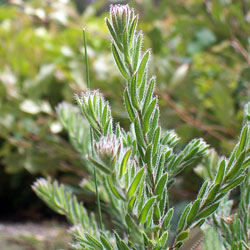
[145,209]
[135,183]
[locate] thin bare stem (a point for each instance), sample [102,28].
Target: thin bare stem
[91,132]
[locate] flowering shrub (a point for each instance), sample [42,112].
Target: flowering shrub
[134,169]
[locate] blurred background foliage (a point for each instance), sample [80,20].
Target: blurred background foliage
[200,55]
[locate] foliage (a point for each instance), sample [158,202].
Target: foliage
[192,67]
[201,58]
[137,167]
[229,226]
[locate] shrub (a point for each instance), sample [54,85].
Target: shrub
[133,170]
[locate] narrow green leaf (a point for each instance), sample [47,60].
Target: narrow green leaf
[138,133]
[143,86]
[153,124]
[142,67]
[100,166]
[91,109]
[126,48]
[135,183]
[129,105]
[105,243]
[137,51]
[148,114]
[156,140]
[148,157]
[221,171]
[112,32]
[232,185]
[93,241]
[244,136]
[133,92]
[145,209]
[167,219]
[130,221]
[236,167]
[118,241]
[117,193]
[104,115]
[182,236]
[148,97]
[124,162]
[208,211]
[131,203]
[160,186]
[193,211]
[124,245]
[212,193]
[163,239]
[183,218]
[132,29]
[203,190]
[119,62]
[157,213]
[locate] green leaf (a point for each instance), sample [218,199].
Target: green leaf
[160,186]
[148,97]
[193,211]
[138,133]
[131,203]
[143,86]
[153,124]
[117,193]
[132,29]
[157,212]
[167,219]
[183,218]
[100,165]
[156,140]
[119,62]
[203,190]
[182,236]
[148,114]
[163,239]
[93,241]
[244,137]
[137,51]
[145,209]
[124,162]
[112,32]
[212,193]
[105,243]
[129,107]
[232,185]
[148,158]
[130,222]
[236,167]
[220,174]
[125,47]
[208,210]
[104,115]
[133,92]
[142,67]
[135,183]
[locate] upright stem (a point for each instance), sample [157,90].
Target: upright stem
[91,132]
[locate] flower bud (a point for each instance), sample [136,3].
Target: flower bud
[121,17]
[108,150]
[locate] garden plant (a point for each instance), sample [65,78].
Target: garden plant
[132,170]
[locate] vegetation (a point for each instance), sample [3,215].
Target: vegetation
[135,168]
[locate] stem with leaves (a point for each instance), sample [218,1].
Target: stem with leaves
[137,167]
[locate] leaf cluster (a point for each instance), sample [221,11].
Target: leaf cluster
[137,167]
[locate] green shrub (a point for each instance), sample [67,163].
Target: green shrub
[134,169]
